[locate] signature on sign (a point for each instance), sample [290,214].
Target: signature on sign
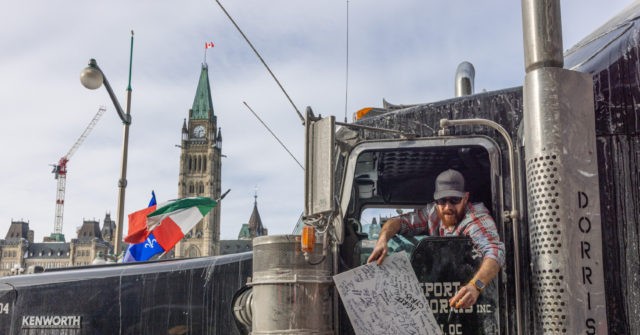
[386,299]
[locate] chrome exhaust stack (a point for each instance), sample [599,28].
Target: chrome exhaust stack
[465,77]
[562,182]
[542,29]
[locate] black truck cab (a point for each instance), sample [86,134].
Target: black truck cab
[389,177]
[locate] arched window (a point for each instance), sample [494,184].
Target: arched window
[204,165]
[189,162]
[193,251]
[191,188]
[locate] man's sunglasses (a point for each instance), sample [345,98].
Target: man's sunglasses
[451,200]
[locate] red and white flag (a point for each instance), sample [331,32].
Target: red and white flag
[138,225]
[208,45]
[171,220]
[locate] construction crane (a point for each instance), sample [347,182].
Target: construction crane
[60,173]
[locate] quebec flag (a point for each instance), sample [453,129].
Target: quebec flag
[144,251]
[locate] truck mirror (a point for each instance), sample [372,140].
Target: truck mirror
[319,164]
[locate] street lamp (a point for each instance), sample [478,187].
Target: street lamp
[92,78]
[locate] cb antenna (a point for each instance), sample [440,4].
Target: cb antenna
[274,135]
[262,60]
[346,70]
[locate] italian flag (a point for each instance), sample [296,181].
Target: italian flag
[171,220]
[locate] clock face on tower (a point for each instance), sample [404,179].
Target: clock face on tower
[198,132]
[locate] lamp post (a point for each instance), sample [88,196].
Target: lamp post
[92,78]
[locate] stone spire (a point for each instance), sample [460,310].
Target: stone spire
[202,104]
[255,222]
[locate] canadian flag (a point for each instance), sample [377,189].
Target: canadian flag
[208,45]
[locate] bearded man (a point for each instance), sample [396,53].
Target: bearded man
[451,214]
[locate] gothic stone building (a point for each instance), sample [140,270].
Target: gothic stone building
[200,170]
[254,227]
[19,253]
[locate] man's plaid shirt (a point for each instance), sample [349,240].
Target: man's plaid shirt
[477,224]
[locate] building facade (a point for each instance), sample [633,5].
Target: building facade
[20,254]
[200,170]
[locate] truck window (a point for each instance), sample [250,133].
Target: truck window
[371,221]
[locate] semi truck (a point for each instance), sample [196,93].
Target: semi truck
[555,161]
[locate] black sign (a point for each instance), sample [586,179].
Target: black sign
[443,265]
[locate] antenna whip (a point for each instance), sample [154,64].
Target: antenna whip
[274,135]
[346,85]
[262,60]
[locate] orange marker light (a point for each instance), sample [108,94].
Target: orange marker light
[361,113]
[308,238]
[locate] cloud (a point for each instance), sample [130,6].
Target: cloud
[405,51]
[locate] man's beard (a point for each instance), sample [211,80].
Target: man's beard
[449,217]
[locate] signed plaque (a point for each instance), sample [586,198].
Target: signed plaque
[386,299]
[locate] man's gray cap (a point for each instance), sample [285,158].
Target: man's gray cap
[449,183]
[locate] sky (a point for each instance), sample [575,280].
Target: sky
[405,51]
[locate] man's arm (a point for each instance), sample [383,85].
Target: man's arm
[388,231]
[484,234]
[467,295]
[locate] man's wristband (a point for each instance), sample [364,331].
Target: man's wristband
[478,284]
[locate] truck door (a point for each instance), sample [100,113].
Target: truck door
[443,265]
[384,178]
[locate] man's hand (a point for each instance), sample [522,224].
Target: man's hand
[465,297]
[379,251]
[388,231]
[468,294]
